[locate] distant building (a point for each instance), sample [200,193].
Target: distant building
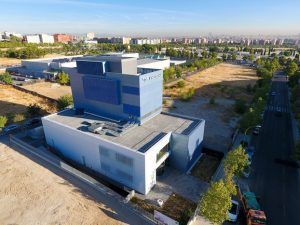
[142,41]
[90,36]
[7,35]
[35,38]
[121,40]
[44,68]
[63,38]
[47,39]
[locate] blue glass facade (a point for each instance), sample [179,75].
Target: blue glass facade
[102,90]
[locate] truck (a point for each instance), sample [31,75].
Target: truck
[252,209]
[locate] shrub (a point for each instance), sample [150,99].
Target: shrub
[187,95]
[63,78]
[18,118]
[212,101]
[3,121]
[33,109]
[181,84]
[240,106]
[6,78]
[64,101]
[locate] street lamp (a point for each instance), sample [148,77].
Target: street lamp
[248,129]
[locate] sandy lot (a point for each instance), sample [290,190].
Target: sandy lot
[9,61]
[12,61]
[30,194]
[223,80]
[15,101]
[51,90]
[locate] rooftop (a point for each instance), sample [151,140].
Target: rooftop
[146,61]
[138,138]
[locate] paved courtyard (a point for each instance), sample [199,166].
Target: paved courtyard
[174,181]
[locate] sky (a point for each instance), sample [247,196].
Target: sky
[153,18]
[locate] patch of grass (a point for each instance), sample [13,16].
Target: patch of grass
[187,95]
[206,167]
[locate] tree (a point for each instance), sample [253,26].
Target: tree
[235,162]
[33,109]
[233,56]
[291,68]
[6,78]
[216,202]
[64,101]
[3,121]
[63,78]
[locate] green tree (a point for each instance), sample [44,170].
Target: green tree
[63,78]
[64,101]
[235,162]
[6,78]
[291,68]
[233,56]
[3,121]
[33,109]
[216,202]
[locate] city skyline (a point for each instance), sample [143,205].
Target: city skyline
[167,18]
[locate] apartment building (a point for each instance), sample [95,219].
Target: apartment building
[35,39]
[46,39]
[63,38]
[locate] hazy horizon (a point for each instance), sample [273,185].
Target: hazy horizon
[153,19]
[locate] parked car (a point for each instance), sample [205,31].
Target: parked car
[11,127]
[234,211]
[256,130]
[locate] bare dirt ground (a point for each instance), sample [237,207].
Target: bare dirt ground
[223,80]
[9,62]
[15,101]
[51,90]
[12,61]
[31,194]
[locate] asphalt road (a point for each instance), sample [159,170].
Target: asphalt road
[275,182]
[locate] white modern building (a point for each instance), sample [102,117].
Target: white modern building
[35,39]
[117,128]
[160,64]
[46,38]
[44,68]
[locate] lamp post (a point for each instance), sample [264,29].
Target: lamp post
[248,129]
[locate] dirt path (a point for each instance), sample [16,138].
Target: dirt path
[31,194]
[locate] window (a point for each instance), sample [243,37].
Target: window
[124,159]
